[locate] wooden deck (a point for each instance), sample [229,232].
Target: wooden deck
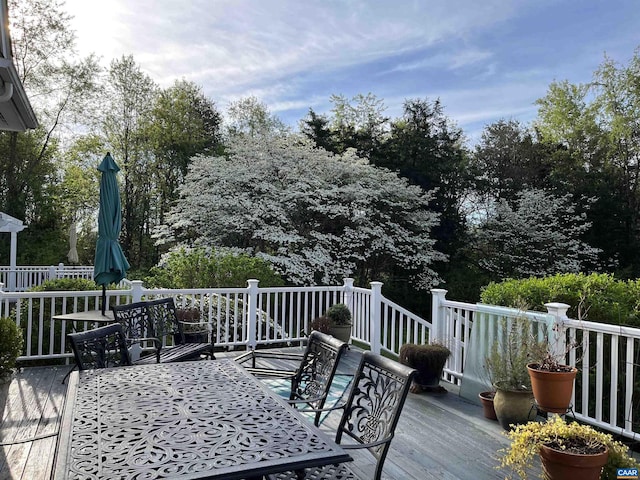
[439,436]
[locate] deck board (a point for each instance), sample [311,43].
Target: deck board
[439,436]
[30,422]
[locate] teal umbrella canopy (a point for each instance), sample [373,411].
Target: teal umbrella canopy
[110,264]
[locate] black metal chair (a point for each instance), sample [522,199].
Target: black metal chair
[145,323]
[136,324]
[102,347]
[379,390]
[311,381]
[164,321]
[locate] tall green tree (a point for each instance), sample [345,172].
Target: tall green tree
[183,123]
[250,117]
[426,147]
[359,123]
[508,160]
[60,87]
[129,96]
[317,129]
[597,125]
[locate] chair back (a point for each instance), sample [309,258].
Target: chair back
[163,319]
[134,318]
[317,369]
[379,390]
[102,347]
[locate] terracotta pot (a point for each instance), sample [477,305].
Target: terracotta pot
[552,390]
[513,407]
[559,465]
[486,399]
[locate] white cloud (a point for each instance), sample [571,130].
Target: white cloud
[228,43]
[483,59]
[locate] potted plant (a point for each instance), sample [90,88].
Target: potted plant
[506,365]
[552,384]
[486,400]
[552,380]
[339,317]
[193,330]
[567,450]
[429,361]
[321,324]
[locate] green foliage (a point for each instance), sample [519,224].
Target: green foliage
[49,329]
[596,125]
[10,347]
[527,439]
[513,349]
[65,285]
[321,324]
[537,234]
[339,314]
[204,268]
[428,358]
[594,297]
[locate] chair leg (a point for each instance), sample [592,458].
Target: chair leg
[64,379]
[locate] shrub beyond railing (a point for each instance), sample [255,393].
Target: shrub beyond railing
[597,297]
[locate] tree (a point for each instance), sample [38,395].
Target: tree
[597,124]
[128,99]
[425,147]
[358,123]
[317,129]
[538,236]
[183,123]
[250,117]
[314,216]
[60,87]
[508,160]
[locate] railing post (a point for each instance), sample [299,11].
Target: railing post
[438,327]
[559,311]
[375,322]
[252,313]
[136,290]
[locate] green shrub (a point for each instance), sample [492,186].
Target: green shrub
[48,310]
[339,314]
[205,268]
[65,285]
[10,347]
[595,297]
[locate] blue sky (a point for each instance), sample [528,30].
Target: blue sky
[485,60]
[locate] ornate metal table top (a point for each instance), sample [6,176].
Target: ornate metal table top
[191,420]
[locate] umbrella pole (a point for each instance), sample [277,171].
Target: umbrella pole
[104,297]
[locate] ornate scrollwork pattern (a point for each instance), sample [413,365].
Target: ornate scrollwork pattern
[377,397]
[316,372]
[192,418]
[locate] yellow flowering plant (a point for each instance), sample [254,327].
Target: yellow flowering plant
[572,437]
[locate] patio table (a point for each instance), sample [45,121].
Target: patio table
[90,316]
[191,420]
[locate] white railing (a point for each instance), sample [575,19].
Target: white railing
[607,388]
[605,394]
[237,317]
[22,278]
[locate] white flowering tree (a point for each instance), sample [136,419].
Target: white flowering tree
[315,216]
[539,234]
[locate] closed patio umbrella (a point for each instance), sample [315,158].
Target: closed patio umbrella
[110,264]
